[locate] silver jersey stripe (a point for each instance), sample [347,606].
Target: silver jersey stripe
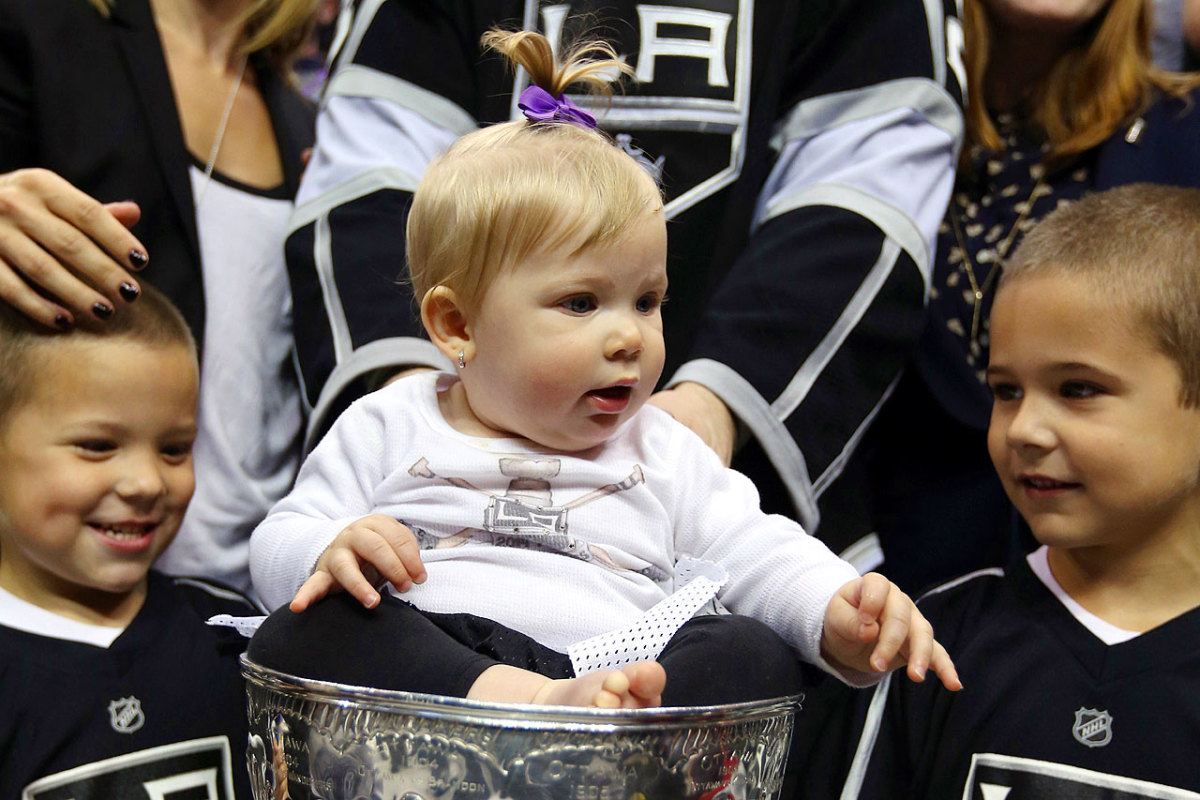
[819,114]
[800,384]
[935,15]
[356,80]
[344,51]
[776,441]
[361,185]
[398,352]
[866,743]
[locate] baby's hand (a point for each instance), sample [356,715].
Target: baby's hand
[369,548]
[872,626]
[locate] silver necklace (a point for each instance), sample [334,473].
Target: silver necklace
[216,148]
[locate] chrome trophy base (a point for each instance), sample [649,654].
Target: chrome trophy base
[313,739]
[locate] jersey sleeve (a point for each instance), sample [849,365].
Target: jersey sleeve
[808,332]
[385,114]
[16,94]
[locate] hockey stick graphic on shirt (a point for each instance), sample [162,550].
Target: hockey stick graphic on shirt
[513,515]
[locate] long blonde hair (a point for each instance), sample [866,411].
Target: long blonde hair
[509,191]
[1101,82]
[277,28]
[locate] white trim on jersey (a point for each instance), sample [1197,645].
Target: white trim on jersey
[360,21]
[802,381]
[359,135]
[374,355]
[852,139]
[836,466]
[815,115]
[364,183]
[165,786]
[1066,772]
[212,589]
[22,615]
[866,744]
[355,80]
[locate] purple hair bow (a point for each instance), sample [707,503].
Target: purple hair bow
[541,106]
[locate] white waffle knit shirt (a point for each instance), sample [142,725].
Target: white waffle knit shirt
[559,546]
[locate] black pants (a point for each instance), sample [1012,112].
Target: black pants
[710,660]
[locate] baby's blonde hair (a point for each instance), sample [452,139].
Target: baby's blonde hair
[509,191]
[1138,245]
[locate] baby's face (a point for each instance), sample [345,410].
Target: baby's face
[1087,431]
[95,466]
[569,347]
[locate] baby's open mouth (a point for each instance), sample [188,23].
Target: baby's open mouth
[613,392]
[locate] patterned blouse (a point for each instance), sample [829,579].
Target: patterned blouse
[1005,193]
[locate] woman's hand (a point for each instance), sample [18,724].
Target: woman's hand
[62,253]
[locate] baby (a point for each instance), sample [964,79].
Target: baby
[543,500]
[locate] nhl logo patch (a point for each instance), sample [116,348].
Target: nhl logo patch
[1093,728]
[126,714]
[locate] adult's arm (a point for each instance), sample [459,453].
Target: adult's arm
[376,133]
[807,335]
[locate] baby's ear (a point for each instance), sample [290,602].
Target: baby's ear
[445,319]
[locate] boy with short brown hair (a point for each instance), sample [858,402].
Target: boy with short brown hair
[1084,657]
[111,685]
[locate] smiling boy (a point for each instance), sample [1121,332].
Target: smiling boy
[111,685]
[1084,657]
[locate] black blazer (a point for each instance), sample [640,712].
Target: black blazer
[90,99]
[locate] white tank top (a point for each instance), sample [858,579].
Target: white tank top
[250,416]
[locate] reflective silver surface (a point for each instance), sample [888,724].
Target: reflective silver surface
[312,739]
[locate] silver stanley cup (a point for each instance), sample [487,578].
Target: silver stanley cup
[312,739]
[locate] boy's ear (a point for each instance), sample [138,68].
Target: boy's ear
[445,319]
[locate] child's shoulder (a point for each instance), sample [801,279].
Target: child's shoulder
[204,596]
[970,604]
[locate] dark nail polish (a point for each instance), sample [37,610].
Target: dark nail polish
[138,259]
[101,310]
[129,291]
[63,322]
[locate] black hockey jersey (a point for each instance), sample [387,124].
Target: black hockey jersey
[806,152]
[1048,710]
[160,713]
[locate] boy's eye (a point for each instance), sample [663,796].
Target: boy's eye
[96,446]
[1078,390]
[580,304]
[177,452]
[1005,391]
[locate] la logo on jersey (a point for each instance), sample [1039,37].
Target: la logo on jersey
[126,714]
[1092,727]
[994,776]
[684,113]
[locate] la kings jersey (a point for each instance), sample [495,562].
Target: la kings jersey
[806,153]
[1049,710]
[160,713]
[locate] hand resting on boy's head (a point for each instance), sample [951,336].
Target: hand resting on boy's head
[47,224]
